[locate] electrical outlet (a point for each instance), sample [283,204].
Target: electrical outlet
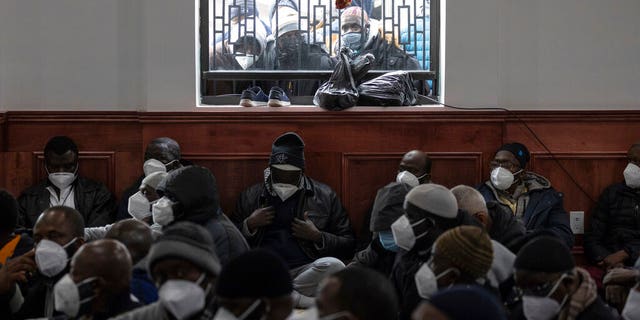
[576,220]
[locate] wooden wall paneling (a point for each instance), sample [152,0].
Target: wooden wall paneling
[233,172]
[18,171]
[593,171]
[92,131]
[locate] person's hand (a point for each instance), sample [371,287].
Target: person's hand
[260,217]
[16,270]
[614,259]
[305,229]
[616,295]
[621,276]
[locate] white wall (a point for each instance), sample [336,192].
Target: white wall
[543,54]
[141,54]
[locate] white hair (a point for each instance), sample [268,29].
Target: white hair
[469,199]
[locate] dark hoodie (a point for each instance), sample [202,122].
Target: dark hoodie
[196,193]
[387,208]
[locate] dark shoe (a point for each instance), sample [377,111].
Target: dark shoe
[253,97]
[277,98]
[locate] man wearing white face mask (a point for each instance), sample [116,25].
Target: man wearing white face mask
[161,155]
[58,233]
[614,237]
[553,287]
[185,267]
[430,210]
[191,194]
[528,195]
[97,285]
[64,187]
[298,218]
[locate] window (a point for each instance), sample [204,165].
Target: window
[245,43]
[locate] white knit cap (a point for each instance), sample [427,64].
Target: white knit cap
[433,198]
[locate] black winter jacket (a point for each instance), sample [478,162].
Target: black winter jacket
[198,202]
[92,199]
[544,210]
[615,224]
[506,229]
[326,212]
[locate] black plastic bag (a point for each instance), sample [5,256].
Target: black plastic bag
[341,92]
[390,89]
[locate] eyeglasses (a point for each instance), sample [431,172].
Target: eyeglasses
[544,290]
[503,164]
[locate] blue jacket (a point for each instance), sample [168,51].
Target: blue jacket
[544,211]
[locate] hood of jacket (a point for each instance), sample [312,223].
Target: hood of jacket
[195,190]
[387,207]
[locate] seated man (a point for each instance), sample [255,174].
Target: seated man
[246,292]
[527,195]
[357,293]
[161,154]
[97,286]
[296,217]
[553,287]
[500,223]
[460,303]
[191,194]
[356,36]
[380,254]
[58,233]
[614,237]
[414,168]
[462,255]
[184,265]
[430,210]
[64,187]
[136,236]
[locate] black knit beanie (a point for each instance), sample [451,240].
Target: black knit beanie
[519,150]
[544,254]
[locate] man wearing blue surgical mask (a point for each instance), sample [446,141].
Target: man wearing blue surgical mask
[527,195]
[58,233]
[359,36]
[381,252]
[161,155]
[65,187]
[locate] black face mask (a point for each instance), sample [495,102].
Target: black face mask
[288,49]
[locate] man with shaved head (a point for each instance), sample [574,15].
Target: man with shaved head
[136,236]
[58,233]
[162,154]
[502,226]
[416,163]
[97,287]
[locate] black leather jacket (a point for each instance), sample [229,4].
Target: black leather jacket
[615,224]
[326,212]
[93,200]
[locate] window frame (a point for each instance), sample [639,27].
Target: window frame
[206,75]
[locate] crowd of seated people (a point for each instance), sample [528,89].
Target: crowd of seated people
[500,250]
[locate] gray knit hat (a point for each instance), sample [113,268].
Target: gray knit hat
[188,241]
